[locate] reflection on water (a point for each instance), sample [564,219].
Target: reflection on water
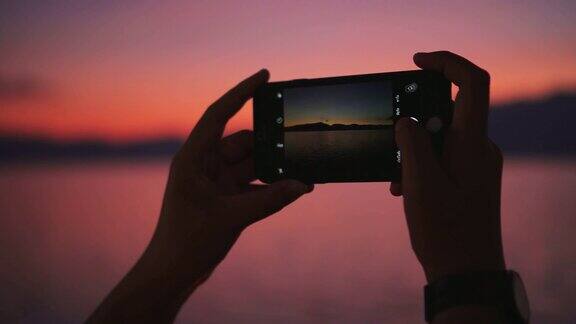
[340,154]
[341,254]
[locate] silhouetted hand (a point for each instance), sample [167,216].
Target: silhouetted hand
[207,203]
[452,202]
[209,199]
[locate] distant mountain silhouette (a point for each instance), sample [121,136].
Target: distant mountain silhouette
[17,148]
[328,127]
[538,127]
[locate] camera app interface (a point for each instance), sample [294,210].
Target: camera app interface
[342,131]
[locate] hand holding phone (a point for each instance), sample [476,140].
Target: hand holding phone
[209,200]
[454,198]
[452,206]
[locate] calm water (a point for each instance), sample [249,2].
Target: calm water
[68,232]
[347,154]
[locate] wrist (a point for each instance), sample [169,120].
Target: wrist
[190,259]
[147,293]
[178,268]
[434,272]
[161,276]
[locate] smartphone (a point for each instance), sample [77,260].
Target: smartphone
[341,129]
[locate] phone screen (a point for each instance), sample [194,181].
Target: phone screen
[339,131]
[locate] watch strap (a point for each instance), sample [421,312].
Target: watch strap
[493,288]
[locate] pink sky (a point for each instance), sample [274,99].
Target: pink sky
[126,71]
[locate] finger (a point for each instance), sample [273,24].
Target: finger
[473,82]
[497,154]
[210,127]
[256,187]
[237,147]
[420,168]
[252,206]
[253,187]
[396,189]
[242,172]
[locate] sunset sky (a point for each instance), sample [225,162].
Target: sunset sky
[119,70]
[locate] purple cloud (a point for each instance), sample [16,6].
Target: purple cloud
[21,87]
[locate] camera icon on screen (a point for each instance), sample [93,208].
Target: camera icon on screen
[411,87]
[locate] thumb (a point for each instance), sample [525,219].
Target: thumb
[420,167]
[264,201]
